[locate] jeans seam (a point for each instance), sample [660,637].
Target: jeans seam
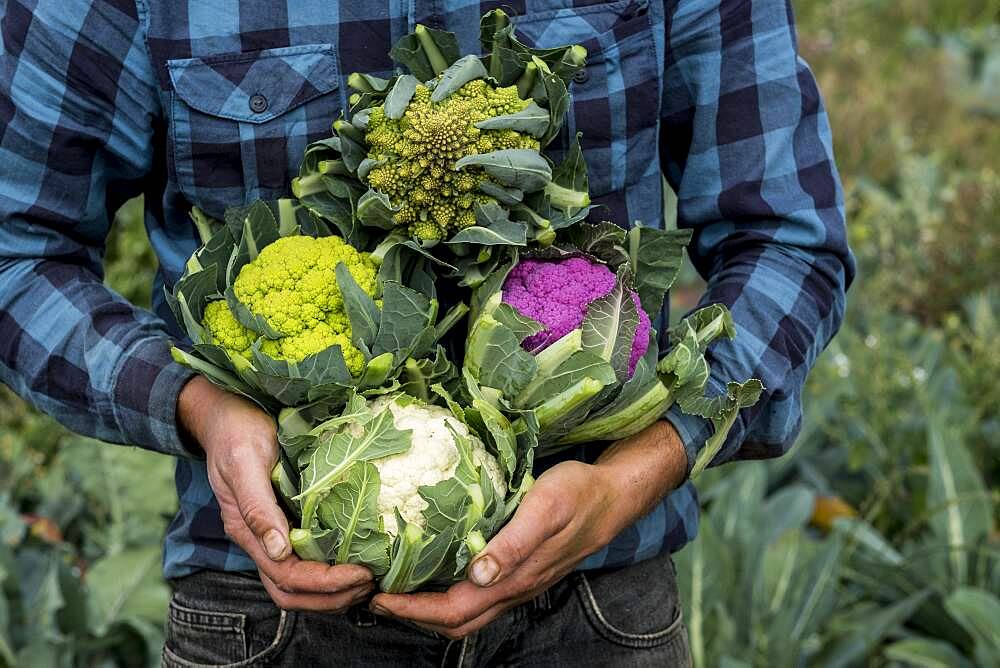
[281,637]
[615,634]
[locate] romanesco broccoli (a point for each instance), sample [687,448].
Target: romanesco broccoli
[292,285]
[418,152]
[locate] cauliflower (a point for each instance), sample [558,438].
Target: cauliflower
[432,457]
[557,294]
[416,155]
[292,286]
[400,486]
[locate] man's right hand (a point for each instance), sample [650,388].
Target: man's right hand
[241,447]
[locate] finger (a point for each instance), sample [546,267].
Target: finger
[294,575]
[334,603]
[476,624]
[459,605]
[251,487]
[533,523]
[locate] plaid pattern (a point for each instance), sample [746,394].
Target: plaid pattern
[211,102]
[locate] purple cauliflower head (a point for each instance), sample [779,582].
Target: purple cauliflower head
[556,293]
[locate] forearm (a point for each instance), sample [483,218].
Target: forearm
[641,470]
[84,355]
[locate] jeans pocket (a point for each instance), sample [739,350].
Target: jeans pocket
[635,607]
[202,637]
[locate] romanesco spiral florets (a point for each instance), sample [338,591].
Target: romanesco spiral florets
[418,153]
[292,285]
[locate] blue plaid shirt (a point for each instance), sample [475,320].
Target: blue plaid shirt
[211,103]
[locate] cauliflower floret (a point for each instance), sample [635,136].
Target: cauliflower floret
[432,457]
[420,149]
[557,293]
[225,330]
[292,285]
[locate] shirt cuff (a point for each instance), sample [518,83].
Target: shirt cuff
[694,431]
[145,398]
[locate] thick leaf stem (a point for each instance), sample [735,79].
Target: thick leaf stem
[404,561]
[566,198]
[548,361]
[628,422]
[551,411]
[527,81]
[433,53]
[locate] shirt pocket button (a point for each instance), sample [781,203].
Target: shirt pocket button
[258,103]
[581,76]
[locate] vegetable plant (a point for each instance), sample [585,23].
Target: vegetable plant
[409,489]
[565,333]
[451,151]
[286,313]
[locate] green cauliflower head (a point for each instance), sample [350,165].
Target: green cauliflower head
[417,155]
[293,287]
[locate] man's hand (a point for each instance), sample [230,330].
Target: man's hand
[573,510]
[240,444]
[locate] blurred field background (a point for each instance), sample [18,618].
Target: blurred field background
[874,543]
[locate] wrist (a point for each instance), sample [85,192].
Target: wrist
[194,401]
[642,469]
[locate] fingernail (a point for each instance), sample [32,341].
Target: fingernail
[274,544]
[484,571]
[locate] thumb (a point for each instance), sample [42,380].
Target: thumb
[260,511]
[531,526]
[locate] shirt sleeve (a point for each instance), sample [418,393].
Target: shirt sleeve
[746,145]
[78,105]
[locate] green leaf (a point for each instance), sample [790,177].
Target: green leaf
[978,611]
[705,574]
[532,120]
[126,585]
[493,228]
[191,294]
[738,396]
[375,210]
[957,501]
[579,366]
[399,97]
[852,647]
[926,653]
[338,452]
[259,229]
[352,507]
[505,196]
[656,259]
[520,168]
[609,328]
[407,319]
[462,71]
[248,319]
[420,375]
[494,356]
[361,309]
[408,51]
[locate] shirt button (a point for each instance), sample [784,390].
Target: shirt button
[258,103]
[581,76]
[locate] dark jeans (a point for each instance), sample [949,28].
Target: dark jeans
[626,617]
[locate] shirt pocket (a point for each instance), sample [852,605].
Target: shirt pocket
[239,123]
[616,97]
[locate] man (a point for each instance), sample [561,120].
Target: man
[212,103]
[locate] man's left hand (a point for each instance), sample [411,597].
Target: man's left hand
[573,510]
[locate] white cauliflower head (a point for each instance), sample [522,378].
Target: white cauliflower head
[432,457]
